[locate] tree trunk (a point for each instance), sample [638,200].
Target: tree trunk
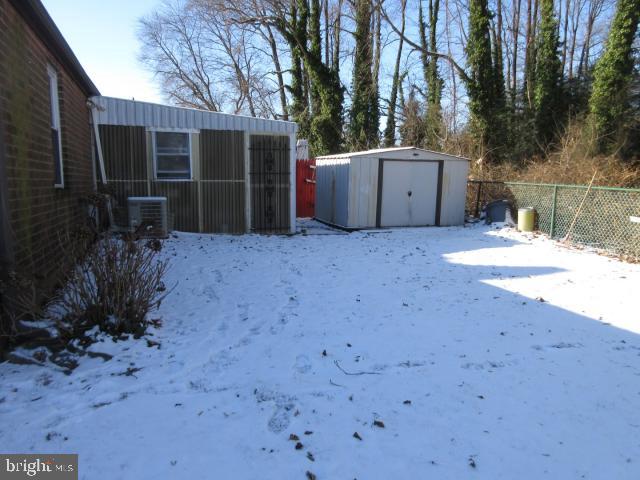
[327,50]
[363,125]
[276,64]
[335,63]
[528,54]
[565,30]
[390,130]
[514,65]
[315,49]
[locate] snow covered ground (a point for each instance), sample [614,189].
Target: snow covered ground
[484,353]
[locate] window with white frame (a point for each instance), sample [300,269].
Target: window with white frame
[56,135]
[172,155]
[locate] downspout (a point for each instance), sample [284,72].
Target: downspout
[96,134]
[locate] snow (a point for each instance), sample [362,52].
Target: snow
[519,357]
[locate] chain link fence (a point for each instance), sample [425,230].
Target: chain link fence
[601,217]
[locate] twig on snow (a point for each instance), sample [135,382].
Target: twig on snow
[353,373]
[336,384]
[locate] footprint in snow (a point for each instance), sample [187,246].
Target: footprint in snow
[243,312]
[209,292]
[303,364]
[285,406]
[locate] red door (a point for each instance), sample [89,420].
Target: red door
[305,187]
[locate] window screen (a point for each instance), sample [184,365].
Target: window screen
[173,158]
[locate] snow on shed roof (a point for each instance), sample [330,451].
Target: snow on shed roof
[378,151]
[120,111]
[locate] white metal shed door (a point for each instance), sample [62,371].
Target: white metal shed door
[409,193]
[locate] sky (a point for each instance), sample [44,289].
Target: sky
[102,34]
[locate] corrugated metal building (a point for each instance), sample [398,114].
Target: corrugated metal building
[220,172]
[392,187]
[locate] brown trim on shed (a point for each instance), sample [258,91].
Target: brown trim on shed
[439,191]
[379,194]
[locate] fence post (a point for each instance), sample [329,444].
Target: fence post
[478,200]
[553,211]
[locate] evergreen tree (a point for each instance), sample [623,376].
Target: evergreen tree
[327,95]
[547,100]
[315,49]
[364,118]
[609,102]
[390,129]
[433,81]
[299,105]
[486,104]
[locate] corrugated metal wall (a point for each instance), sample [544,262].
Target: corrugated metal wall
[182,203]
[270,175]
[213,202]
[454,192]
[124,150]
[363,201]
[120,111]
[222,181]
[332,191]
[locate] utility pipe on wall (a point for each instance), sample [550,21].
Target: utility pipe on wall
[96,133]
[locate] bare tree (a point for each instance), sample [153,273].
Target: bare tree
[204,61]
[390,129]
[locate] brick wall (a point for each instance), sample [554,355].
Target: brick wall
[40,213]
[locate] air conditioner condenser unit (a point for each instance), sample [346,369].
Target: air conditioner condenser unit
[148,216]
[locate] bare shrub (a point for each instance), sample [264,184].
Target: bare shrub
[18,301]
[571,162]
[115,285]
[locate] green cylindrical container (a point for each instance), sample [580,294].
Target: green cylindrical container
[526,219]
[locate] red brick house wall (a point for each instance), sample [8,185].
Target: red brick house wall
[38,213]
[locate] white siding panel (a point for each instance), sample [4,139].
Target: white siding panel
[332,191]
[454,193]
[363,191]
[118,111]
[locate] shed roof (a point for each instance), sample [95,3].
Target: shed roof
[379,151]
[120,111]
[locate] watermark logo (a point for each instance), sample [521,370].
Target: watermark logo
[39,466]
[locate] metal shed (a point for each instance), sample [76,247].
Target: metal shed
[391,187]
[220,172]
